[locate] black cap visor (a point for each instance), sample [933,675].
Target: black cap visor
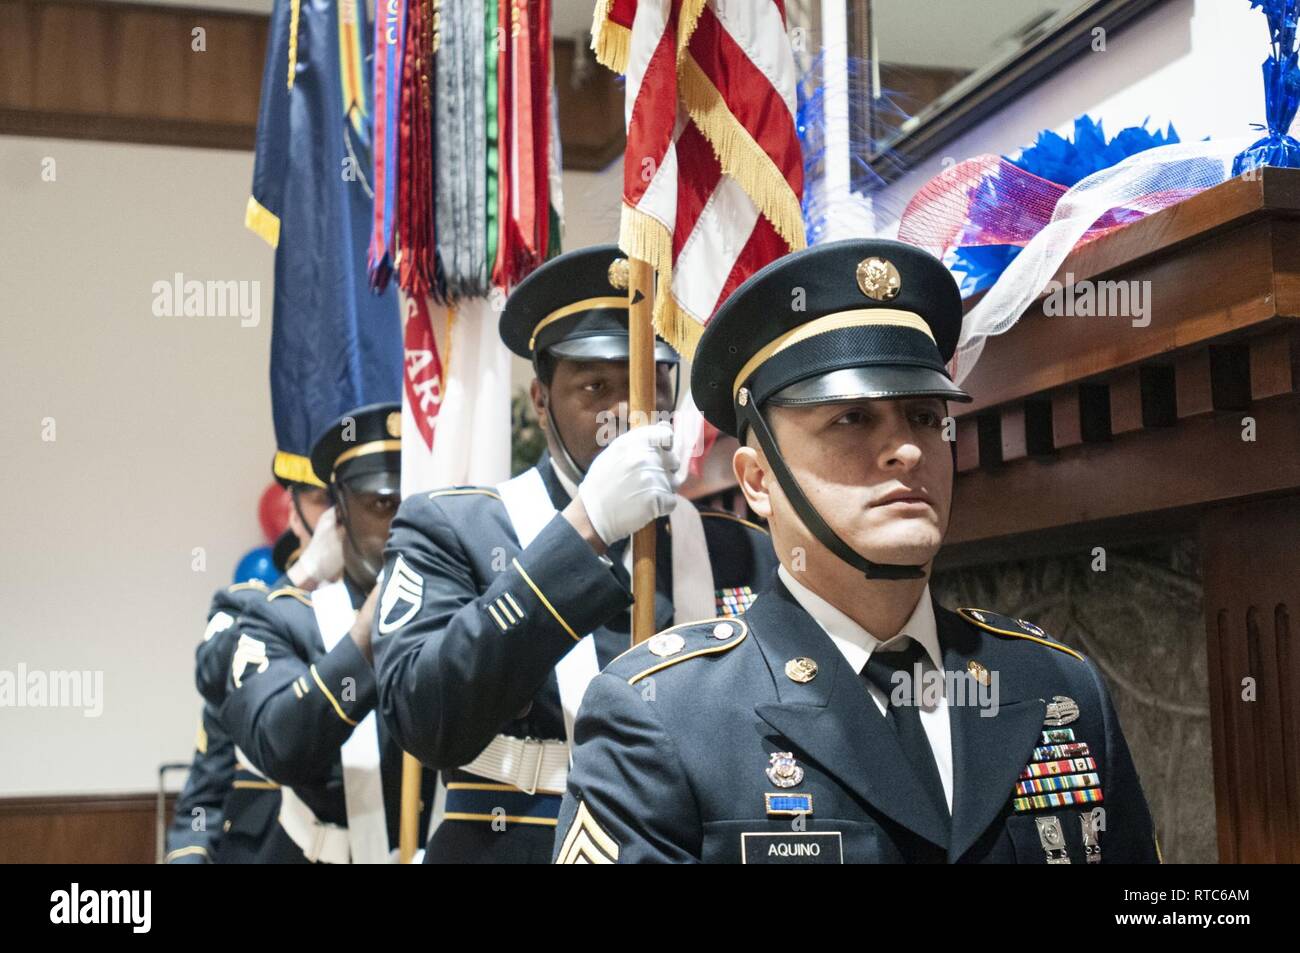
[384,482]
[877,382]
[605,347]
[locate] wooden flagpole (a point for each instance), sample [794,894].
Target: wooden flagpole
[641,406]
[408,834]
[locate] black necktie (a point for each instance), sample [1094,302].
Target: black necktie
[905,716]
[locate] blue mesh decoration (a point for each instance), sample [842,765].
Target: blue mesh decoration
[1056,159]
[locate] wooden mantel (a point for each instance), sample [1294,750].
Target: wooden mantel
[1090,431]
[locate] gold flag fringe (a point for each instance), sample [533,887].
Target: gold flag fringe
[686,20]
[611,41]
[740,156]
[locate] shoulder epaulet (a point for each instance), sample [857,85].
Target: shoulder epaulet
[293,592]
[244,586]
[719,514]
[1017,628]
[681,642]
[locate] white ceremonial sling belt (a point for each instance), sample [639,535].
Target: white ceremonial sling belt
[319,841]
[534,766]
[529,506]
[363,786]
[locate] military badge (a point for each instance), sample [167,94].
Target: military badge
[1052,839]
[248,652]
[1062,770]
[586,841]
[1061,711]
[218,623]
[783,770]
[1091,836]
[801,670]
[733,600]
[402,598]
[787,805]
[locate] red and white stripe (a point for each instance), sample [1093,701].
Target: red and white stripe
[713,174]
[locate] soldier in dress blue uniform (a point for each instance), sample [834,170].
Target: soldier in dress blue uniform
[847,717]
[301,698]
[203,819]
[226,810]
[501,603]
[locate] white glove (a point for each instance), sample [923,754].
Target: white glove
[631,482]
[321,560]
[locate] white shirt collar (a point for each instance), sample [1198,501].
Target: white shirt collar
[854,642]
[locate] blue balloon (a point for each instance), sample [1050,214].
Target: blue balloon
[257,564]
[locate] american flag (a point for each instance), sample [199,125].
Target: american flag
[713,174]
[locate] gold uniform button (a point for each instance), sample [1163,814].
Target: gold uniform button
[723,631]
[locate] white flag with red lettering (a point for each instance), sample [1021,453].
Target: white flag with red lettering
[455,395]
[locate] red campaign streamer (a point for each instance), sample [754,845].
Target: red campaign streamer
[525,202]
[540,32]
[505,149]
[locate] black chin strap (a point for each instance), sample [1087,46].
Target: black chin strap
[807,512]
[565,460]
[366,564]
[293,495]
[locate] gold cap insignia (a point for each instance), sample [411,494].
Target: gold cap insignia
[394,424]
[801,670]
[619,274]
[666,644]
[879,279]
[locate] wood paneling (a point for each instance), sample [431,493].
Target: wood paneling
[92,829]
[129,73]
[1251,567]
[590,108]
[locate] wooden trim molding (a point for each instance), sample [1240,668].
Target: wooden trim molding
[80,829]
[129,73]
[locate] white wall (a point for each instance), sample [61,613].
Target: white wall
[163,443]
[163,438]
[1195,63]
